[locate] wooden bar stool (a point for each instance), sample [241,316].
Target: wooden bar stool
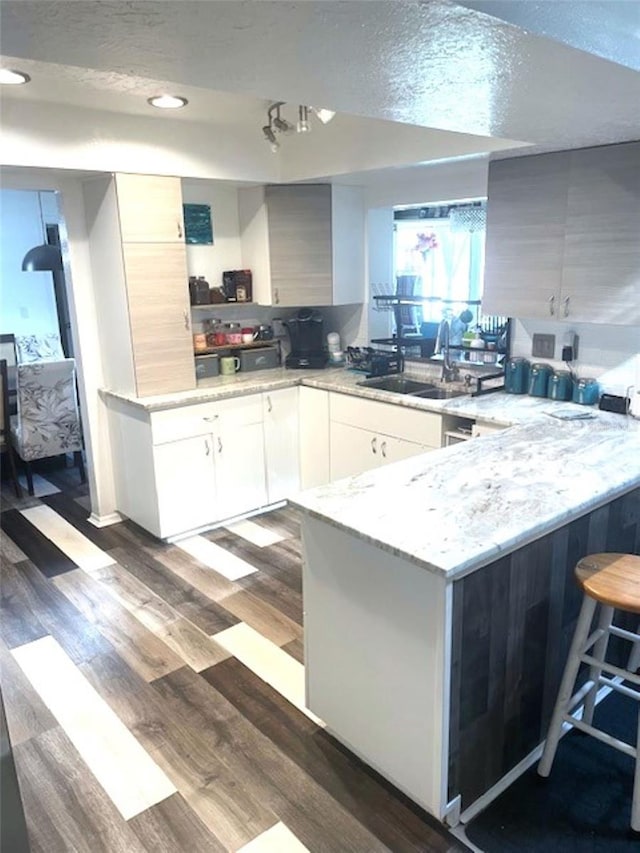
[613,582]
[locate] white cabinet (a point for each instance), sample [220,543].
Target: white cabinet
[563,236]
[314,437]
[303,243]
[399,433]
[185,483]
[239,455]
[281,431]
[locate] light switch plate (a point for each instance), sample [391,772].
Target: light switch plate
[543,346]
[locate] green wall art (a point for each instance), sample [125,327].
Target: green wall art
[197,224]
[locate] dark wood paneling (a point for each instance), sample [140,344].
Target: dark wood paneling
[13,827]
[512,626]
[19,623]
[41,551]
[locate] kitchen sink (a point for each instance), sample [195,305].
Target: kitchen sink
[439,394]
[399,384]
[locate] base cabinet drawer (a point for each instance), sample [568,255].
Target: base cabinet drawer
[391,420]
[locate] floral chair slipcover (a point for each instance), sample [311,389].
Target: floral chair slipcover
[47,423]
[38,348]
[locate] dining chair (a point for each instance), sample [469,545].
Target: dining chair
[5,426]
[9,353]
[47,422]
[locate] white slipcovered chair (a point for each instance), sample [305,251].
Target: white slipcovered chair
[47,422]
[38,348]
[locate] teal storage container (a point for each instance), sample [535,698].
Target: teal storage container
[560,385]
[539,379]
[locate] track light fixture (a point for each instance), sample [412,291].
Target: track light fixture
[276,124]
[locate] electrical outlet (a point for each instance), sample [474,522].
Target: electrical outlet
[543,346]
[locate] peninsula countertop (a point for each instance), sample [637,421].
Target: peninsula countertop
[459,508]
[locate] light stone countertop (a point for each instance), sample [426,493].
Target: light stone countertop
[457,509]
[496,407]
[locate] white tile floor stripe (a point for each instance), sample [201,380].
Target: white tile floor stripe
[127,773]
[41,487]
[268,662]
[70,541]
[255,533]
[278,839]
[212,555]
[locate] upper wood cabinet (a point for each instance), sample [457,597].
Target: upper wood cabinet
[304,243]
[141,285]
[150,209]
[563,236]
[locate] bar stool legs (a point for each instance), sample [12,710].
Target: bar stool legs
[564,700]
[567,701]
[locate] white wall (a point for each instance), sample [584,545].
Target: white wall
[27,299]
[225,253]
[58,136]
[607,353]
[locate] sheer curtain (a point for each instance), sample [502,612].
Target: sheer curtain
[451,269]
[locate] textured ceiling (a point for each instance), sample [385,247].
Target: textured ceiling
[431,63]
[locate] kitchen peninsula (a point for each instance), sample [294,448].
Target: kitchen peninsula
[439,600]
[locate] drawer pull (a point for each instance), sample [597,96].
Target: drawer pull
[269,405]
[566,306]
[374,445]
[552,305]
[179,224]
[383,448]
[185,315]
[211,418]
[219,445]
[206,447]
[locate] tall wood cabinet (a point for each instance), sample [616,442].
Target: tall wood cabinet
[139,267]
[563,236]
[304,243]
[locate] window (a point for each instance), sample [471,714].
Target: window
[442,250]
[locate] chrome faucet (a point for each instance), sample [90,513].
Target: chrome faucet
[450,371]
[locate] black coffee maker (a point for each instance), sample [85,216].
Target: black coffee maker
[305,333]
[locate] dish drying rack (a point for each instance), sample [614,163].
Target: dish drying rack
[374,362]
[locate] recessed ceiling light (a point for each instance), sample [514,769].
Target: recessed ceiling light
[168,102]
[9,77]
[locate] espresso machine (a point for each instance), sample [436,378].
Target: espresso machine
[307,342]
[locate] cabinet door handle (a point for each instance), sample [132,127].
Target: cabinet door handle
[212,418]
[269,405]
[179,224]
[565,302]
[552,305]
[276,296]
[383,448]
[219,445]
[374,445]
[207,449]
[185,315]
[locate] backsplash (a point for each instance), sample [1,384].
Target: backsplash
[607,353]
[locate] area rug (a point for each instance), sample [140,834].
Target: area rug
[583,807]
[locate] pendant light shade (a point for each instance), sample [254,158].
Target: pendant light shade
[40,258]
[45,257]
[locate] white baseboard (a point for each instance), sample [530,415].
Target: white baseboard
[227,521]
[104,520]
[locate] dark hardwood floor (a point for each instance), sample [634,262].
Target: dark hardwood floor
[155,703]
